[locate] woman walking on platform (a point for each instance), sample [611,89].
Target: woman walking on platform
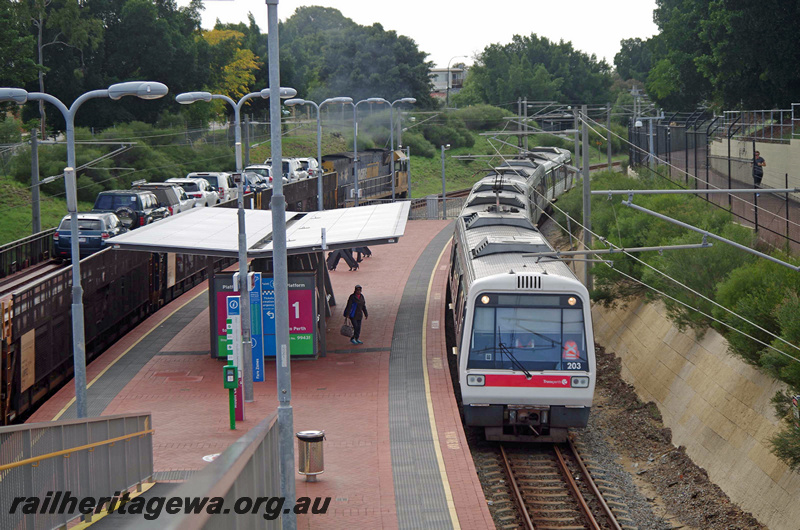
[355,308]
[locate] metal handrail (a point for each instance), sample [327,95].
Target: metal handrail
[37,459]
[220,477]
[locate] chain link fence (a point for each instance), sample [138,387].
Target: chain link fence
[701,151]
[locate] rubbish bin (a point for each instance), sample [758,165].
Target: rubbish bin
[310,456]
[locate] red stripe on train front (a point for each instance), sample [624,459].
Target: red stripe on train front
[520,380]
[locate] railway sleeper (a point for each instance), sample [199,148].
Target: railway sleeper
[543,503]
[534,481]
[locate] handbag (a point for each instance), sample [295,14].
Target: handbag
[347,330]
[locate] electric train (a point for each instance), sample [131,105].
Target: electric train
[526,363]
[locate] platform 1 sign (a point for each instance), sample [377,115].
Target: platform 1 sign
[302,315]
[223,288]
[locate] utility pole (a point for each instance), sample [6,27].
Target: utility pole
[519,122]
[246,140]
[577,140]
[525,114]
[608,134]
[587,199]
[35,205]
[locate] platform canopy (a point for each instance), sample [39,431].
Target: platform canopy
[214,231]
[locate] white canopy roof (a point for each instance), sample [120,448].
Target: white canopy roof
[214,231]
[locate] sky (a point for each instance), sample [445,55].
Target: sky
[448,29]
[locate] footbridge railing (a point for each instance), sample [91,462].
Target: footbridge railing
[64,463]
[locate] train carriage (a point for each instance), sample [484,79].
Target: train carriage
[523,327]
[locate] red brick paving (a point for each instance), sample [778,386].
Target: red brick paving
[345,394]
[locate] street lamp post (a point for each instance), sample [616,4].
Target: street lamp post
[391,133]
[188,98]
[391,127]
[298,101]
[444,191]
[447,99]
[355,141]
[141,89]
[283,366]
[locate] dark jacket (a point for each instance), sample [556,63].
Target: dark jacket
[360,304]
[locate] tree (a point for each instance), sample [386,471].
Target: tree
[231,67]
[17,66]
[751,60]
[535,68]
[634,59]
[65,24]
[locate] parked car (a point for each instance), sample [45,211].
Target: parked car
[310,166]
[170,196]
[292,169]
[221,182]
[94,229]
[134,208]
[198,189]
[265,171]
[255,182]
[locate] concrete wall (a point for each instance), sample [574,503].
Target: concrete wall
[717,406]
[780,158]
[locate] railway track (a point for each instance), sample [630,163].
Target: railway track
[548,487]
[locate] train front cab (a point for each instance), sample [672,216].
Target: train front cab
[526,363]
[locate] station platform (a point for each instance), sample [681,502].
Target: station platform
[395,451]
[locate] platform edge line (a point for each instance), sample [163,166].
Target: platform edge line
[129,348]
[431,418]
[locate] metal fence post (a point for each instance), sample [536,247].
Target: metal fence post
[755,201]
[787,209]
[37,216]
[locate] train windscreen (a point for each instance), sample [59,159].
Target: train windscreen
[534,332]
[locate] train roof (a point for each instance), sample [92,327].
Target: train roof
[494,242]
[498,248]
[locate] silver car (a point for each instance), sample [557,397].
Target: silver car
[198,189]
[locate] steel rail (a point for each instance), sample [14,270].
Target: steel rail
[575,491]
[590,482]
[523,510]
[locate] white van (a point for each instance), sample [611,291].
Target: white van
[221,182]
[292,169]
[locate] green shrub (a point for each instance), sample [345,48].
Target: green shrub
[483,117]
[10,130]
[418,144]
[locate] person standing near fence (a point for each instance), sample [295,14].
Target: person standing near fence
[355,309]
[758,171]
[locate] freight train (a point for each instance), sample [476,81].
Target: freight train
[523,328]
[374,175]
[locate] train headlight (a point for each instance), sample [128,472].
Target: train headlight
[572,300]
[485,299]
[580,381]
[476,380]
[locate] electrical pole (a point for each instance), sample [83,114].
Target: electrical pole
[283,364]
[519,122]
[608,134]
[587,199]
[525,115]
[35,206]
[577,140]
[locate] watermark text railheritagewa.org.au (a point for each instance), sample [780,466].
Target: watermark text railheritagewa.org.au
[60,502]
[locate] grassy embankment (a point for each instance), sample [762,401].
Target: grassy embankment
[15,210]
